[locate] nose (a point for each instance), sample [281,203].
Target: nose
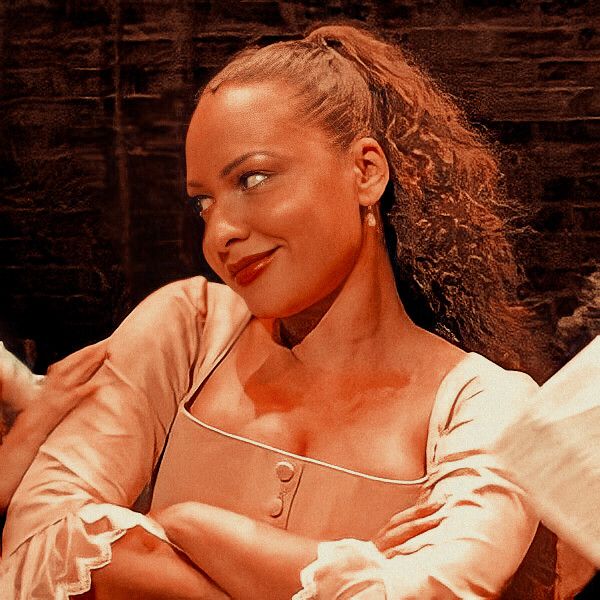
[225,225]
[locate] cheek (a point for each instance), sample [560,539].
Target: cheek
[325,248]
[211,255]
[317,207]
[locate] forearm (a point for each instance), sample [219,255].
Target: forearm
[247,558]
[142,566]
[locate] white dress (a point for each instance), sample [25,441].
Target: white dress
[74,501]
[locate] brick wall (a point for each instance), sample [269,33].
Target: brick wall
[95,95]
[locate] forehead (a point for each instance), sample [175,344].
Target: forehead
[238,118]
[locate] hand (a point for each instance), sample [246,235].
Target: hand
[405,526]
[66,384]
[70,380]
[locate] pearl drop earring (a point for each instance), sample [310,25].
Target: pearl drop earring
[371,220]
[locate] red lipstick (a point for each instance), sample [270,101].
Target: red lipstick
[247,269]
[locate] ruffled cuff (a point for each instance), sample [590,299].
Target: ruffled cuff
[56,563]
[354,569]
[344,569]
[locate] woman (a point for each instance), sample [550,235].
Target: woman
[308,406]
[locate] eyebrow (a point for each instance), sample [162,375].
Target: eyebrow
[236,162]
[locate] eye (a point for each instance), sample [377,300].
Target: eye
[251,180]
[201,204]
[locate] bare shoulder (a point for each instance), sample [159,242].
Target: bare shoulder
[435,358]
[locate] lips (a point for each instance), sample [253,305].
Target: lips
[247,269]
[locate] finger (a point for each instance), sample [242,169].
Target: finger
[81,365]
[403,533]
[61,401]
[409,515]
[86,390]
[399,551]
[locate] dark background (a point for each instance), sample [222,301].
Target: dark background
[95,96]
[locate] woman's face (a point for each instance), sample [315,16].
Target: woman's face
[283,226]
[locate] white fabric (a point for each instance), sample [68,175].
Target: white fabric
[553,450]
[105,450]
[359,566]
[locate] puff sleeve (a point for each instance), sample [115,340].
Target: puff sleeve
[74,501]
[487,524]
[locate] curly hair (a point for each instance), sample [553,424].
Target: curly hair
[443,210]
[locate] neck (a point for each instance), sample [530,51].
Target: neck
[291,331]
[361,319]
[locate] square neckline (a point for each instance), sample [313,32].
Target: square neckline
[189,399]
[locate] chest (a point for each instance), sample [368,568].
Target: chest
[378,427]
[304,496]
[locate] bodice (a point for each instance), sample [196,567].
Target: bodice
[303,495]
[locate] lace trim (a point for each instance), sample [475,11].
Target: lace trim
[86,565]
[57,562]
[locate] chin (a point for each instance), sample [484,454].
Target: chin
[270,310]
[267,304]
[272,305]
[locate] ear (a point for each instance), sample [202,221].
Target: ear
[371,170]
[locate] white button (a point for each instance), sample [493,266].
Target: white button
[276,507]
[285,470]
